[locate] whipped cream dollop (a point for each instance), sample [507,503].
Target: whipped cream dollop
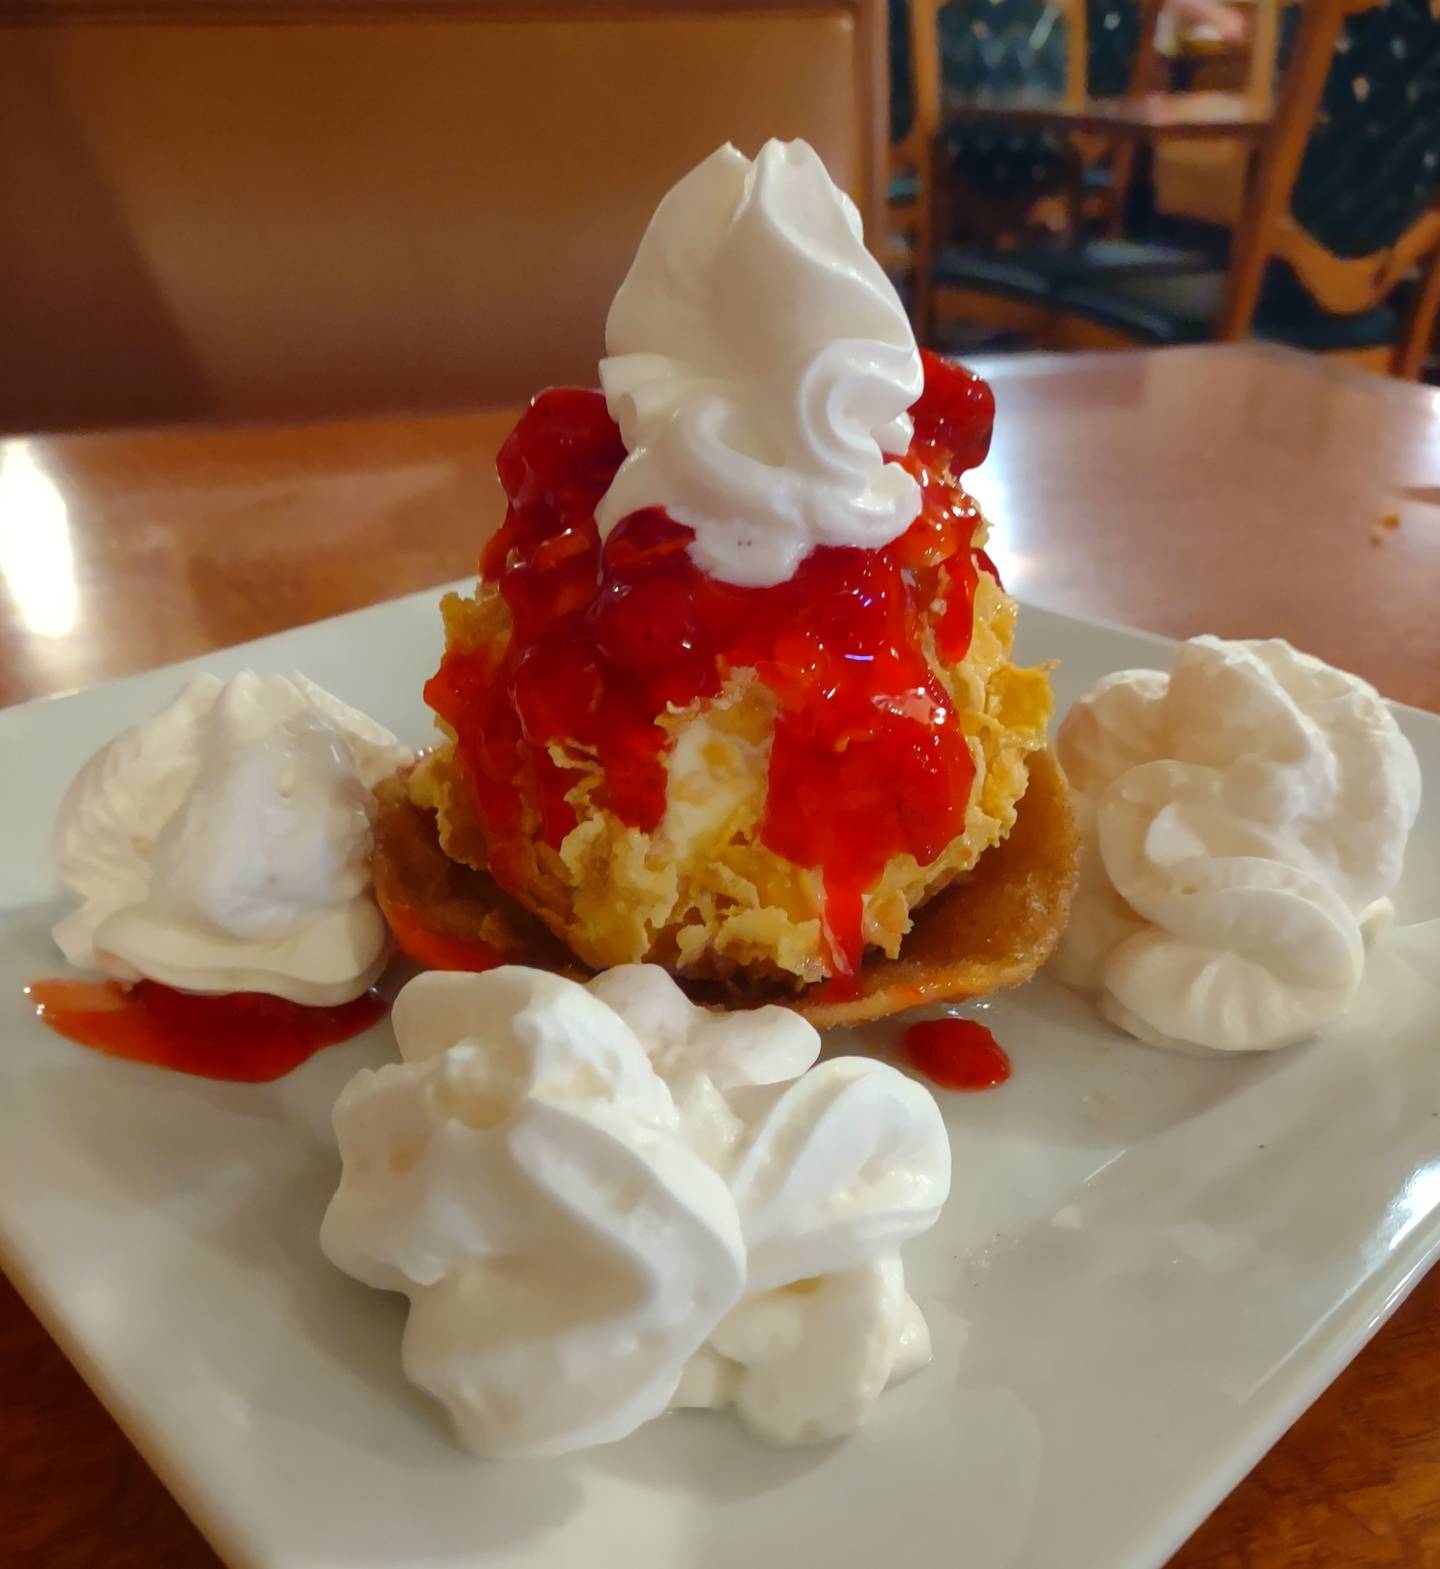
[1246,819]
[760,366]
[603,1201]
[224,845]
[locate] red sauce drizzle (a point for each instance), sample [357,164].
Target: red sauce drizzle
[869,759]
[247,1037]
[956,1054]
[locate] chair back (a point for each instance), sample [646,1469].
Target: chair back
[1010,46]
[1371,165]
[1121,61]
[223,209]
[1206,180]
[1273,25]
[1348,186]
[914,79]
[902,75]
[1116,31]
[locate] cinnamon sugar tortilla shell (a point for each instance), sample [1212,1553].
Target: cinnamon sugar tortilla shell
[988,930]
[446,916]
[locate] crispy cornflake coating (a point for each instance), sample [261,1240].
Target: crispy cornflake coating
[702,895]
[991,928]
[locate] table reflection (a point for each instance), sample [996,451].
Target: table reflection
[37,559]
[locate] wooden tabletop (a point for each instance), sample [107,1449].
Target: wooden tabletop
[1153,118]
[1237,490]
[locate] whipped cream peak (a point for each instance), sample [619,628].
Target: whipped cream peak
[600,1206]
[761,367]
[224,844]
[1247,816]
[840,1166]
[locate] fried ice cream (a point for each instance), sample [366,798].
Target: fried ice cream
[736,695]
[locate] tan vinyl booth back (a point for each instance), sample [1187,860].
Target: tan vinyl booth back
[251,211]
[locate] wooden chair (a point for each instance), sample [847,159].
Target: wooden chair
[1009,289]
[984,178]
[1205,181]
[914,122]
[1342,213]
[987,179]
[1120,62]
[227,209]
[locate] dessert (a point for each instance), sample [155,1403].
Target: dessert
[221,855]
[604,1202]
[1246,819]
[735,691]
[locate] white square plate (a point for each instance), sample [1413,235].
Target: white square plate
[1149,1266]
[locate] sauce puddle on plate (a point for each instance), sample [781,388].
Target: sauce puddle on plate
[244,1037]
[956,1054]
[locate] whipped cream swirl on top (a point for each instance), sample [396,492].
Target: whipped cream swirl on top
[603,1201]
[224,845]
[1246,817]
[760,366]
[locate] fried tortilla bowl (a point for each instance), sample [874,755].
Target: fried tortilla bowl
[446,916]
[987,931]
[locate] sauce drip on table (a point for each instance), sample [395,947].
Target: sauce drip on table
[247,1037]
[869,758]
[956,1054]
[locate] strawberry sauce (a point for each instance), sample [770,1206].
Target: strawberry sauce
[246,1037]
[869,758]
[956,1054]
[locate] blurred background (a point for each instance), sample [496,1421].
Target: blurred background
[249,210]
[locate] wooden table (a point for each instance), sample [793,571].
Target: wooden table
[1238,490]
[1154,118]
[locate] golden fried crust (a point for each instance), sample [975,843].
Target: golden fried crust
[701,893]
[990,929]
